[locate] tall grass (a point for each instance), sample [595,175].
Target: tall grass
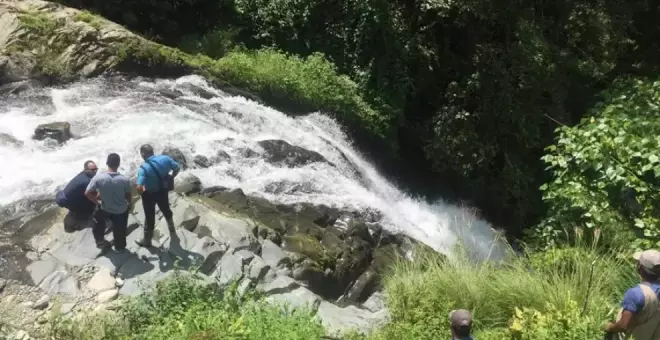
[420,294]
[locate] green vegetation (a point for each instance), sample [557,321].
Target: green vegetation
[90,18]
[492,97]
[606,171]
[538,296]
[38,40]
[181,308]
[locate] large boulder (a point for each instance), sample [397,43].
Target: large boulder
[59,131]
[177,155]
[284,154]
[69,44]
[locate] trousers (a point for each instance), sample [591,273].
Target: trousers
[119,225]
[149,202]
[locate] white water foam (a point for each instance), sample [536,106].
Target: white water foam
[118,116]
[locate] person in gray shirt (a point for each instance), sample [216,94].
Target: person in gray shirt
[112,191]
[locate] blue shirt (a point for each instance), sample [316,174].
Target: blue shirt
[74,193]
[147,176]
[633,300]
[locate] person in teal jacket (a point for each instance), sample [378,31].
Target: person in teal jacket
[154,183]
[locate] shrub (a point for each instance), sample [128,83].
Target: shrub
[310,83]
[605,171]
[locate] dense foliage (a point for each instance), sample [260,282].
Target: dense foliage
[606,171]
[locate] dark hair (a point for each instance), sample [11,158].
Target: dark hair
[87,164]
[147,149]
[462,331]
[113,161]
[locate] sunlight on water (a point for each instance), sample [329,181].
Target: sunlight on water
[118,116]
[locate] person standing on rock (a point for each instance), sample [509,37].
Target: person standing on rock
[112,191]
[154,183]
[72,197]
[640,309]
[460,323]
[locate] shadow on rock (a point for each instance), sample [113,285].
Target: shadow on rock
[186,257]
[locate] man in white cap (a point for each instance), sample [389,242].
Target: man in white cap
[460,322]
[640,309]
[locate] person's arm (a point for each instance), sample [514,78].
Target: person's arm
[140,180]
[633,303]
[92,191]
[175,167]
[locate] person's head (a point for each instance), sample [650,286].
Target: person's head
[146,151]
[460,322]
[648,265]
[90,168]
[113,161]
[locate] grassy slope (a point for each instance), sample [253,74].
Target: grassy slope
[539,297]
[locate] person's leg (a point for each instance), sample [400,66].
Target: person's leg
[163,201]
[149,205]
[119,223]
[98,229]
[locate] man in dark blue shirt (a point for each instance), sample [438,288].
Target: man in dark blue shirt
[154,184]
[73,198]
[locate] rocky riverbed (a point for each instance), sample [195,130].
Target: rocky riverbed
[300,255]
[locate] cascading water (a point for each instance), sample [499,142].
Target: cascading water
[111,115]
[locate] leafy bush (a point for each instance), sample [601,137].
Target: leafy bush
[554,323]
[606,171]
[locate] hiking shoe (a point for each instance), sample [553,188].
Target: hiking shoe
[103,245]
[144,243]
[170,226]
[120,250]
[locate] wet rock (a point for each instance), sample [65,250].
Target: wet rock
[171,94]
[222,156]
[3,284]
[19,86]
[59,131]
[177,155]
[6,139]
[248,153]
[42,303]
[107,296]
[187,184]
[198,90]
[202,161]
[284,154]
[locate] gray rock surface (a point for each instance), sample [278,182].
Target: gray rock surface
[68,267]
